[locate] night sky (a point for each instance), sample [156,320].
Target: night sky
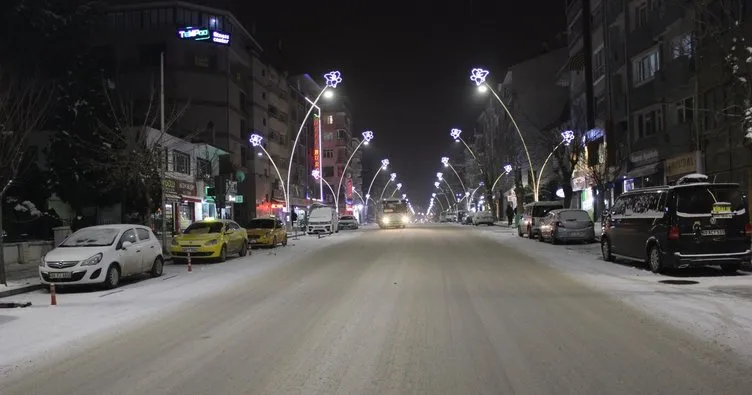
[406,67]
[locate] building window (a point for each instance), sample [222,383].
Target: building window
[599,65]
[181,162]
[329,119]
[328,153]
[684,110]
[649,123]
[641,14]
[328,171]
[682,45]
[341,134]
[243,132]
[203,168]
[646,66]
[328,136]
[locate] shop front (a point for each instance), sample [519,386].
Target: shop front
[644,170]
[181,203]
[681,165]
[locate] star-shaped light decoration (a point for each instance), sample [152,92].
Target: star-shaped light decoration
[467,193]
[367,137]
[436,184]
[445,161]
[384,164]
[392,177]
[368,196]
[255,140]
[399,186]
[478,76]
[455,134]
[567,136]
[316,174]
[440,176]
[507,169]
[404,196]
[333,78]
[433,195]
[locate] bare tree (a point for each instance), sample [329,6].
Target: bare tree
[23,108]
[601,174]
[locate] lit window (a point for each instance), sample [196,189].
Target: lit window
[682,45]
[329,119]
[646,67]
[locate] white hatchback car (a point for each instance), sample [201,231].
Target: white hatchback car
[483,217]
[102,255]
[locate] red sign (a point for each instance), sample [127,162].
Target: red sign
[349,188]
[316,148]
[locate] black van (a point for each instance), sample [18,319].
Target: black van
[694,223]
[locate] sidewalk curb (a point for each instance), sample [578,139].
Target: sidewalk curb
[21,290]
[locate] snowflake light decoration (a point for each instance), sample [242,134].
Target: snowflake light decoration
[567,136]
[367,137]
[478,76]
[256,140]
[399,186]
[436,184]
[445,161]
[384,164]
[333,78]
[440,176]
[433,195]
[507,169]
[404,196]
[316,174]
[456,134]
[392,177]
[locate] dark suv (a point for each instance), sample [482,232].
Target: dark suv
[694,223]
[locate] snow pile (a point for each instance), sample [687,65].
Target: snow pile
[28,207]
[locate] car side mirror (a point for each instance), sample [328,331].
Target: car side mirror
[125,245]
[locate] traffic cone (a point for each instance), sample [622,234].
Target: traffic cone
[53,295]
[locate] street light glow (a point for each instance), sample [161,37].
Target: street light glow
[367,137]
[328,94]
[482,89]
[478,76]
[384,164]
[507,169]
[440,176]
[392,177]
[316,174]
[436,184]
[445,161]
[399,186]
[404,196]
[433,195]
[368,196]
[333,78]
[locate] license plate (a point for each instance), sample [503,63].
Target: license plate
[60,275]
[721,208]
[576,234]
[714,232]
[190,249]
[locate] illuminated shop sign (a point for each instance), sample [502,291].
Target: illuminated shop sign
[201,34]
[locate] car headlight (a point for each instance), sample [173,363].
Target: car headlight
[92,260]
[405,219]
[211,242]
[385,220]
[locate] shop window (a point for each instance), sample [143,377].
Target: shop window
[328,153]
[181,162]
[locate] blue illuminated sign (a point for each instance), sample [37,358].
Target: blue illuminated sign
[201,34]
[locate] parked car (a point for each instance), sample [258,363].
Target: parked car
[567,225]
[103,255]
[532,216]
[483,217]
[694,223]
[322,219]
[210,239]
[468,220]
[348,222]
[267,232]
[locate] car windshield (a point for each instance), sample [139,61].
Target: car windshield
[541,211]
[574,215]
[260,224]
[701,199]
[394,207]
[198,228]
[348,217]
[91,237]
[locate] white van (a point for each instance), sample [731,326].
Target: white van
[322,219]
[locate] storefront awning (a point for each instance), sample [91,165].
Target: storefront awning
[642,171]
[194,199]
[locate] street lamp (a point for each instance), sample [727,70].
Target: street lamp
[317,176]
[399,186]
[440,177]
[392,177]
[384,166]
[367,137]
[478,76]
[507,170]
[457,136]
[332,78]
[438,186]
[445,161]
[567,137]
[256,141]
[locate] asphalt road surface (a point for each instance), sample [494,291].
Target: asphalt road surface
[433,310]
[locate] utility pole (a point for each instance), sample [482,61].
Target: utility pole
[163,166]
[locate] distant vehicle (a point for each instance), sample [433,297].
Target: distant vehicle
[533,215]
[103,255]
[322,219]
[468,220]
[694,223]
[393,213]
[348,222]
[483,217]
[210,239]
[266,232]
[567,225]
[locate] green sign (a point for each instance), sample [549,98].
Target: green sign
[235,198]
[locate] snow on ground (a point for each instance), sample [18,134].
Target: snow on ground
[717,308]
[40,331]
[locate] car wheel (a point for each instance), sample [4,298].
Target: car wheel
[731,268]
[284,241]
[530,234]
[654,259]
[112,279]
[274,241]
[157,268]
[606,250]
[223,253]
[244,249]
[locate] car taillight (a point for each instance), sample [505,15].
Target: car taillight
[748,229]
[673,233]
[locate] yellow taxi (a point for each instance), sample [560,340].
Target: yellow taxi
[266,232]
[210,239]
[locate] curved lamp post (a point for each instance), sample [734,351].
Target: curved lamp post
[367,137]
[478,76]
[567,137]
[384,166]
[457,136]
[438,186]
[392,177]
[317,176]
[399,186]
[434,198]
[440,177]
[507,170]
[445,162]
[333,78]
[256,141]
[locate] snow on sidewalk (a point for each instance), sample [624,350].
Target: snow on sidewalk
[28,335]
[718,308]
